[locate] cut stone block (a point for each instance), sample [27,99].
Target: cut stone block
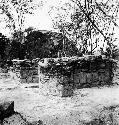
[15,119]
[6,109]
[88,77]
[82,77]
[77,78]
[95,77]
[67,91]
[106,76]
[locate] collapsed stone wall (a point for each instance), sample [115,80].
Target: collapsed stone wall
[21,72]
[28,71]
[63,76]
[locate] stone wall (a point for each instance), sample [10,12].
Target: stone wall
[29,75]
[27,71]
[63,76]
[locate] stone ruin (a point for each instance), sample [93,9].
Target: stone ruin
[26,70]
[8,115]
[61,76]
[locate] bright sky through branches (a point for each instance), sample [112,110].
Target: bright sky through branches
[41,19]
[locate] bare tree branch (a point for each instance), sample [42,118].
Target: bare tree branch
[88,17]
[110,17]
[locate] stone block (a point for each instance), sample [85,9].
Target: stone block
[6,109]
[35,79]
[15,119]
[95,77]
[82,77]
[24,80]
[106,76]
[76,78]
[88,77]
[67,91]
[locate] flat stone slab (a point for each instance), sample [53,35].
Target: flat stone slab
[18,119]
[15,119]
[6,109]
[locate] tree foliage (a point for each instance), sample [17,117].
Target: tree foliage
[15,12]
[17,50]
[46,44]
[89,21]
[4,44]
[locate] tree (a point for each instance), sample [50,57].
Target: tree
[4,44]
[34,43]
[101,18]
[90,21]
[59,20]
[15,12]
[17,50]
[46,44]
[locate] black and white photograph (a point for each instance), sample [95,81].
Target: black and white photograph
[59,62]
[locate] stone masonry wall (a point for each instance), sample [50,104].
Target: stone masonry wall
[63,78]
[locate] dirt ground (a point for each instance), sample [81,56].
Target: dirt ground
[89,106]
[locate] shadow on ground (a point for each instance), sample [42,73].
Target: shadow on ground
[108,116]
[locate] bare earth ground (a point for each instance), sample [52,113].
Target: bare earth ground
[86,105]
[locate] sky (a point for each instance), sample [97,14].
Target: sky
[40,19]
